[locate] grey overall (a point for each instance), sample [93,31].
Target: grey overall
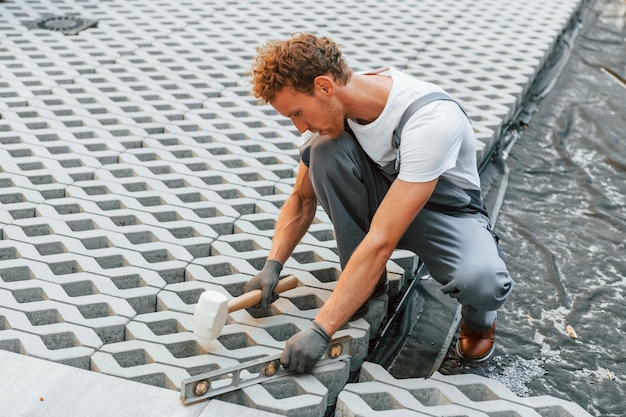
[451,234]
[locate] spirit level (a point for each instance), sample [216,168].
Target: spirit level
[204,386]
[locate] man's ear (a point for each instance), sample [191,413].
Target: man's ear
[324,84]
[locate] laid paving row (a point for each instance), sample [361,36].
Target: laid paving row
[136,172]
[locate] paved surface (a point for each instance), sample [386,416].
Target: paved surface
[137,172]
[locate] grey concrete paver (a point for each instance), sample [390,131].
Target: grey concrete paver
[33,387]
[443,395]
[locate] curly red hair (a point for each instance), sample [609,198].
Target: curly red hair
[295,63]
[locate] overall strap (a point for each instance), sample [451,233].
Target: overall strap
[413,107]
[418,104]
[446,195]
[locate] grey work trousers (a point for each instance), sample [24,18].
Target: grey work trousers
[458,248]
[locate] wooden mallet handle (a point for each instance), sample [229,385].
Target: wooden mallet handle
[252,298]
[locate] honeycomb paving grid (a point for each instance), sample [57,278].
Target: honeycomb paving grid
[491,69]
[378,393]
[304,395]
[136,171]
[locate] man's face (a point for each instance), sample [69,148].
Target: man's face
[321,114]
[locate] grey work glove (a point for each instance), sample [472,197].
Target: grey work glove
[266,280]
[304,349]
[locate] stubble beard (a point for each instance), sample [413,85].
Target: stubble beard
[334,117]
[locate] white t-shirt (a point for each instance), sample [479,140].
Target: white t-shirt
[438,140]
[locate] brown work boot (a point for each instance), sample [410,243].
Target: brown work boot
[475,347]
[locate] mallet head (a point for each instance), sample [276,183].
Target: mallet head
[210,315]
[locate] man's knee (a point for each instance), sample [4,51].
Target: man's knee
[326,148]
[481,285]
[331,157]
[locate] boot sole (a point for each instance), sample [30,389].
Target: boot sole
[473,361]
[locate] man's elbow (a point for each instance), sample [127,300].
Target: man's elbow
[382,245]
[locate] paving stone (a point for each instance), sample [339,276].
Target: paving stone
[253,249]
[33,345]
[238,342]
[279,326]
[246,342]
[159,325]
[302,301]
[55,336]
[303,395]
[33,386]
[14,199]
[159,375]
[100,244]
[374,399]
[223,270]
[334,376]
[261,224]
[442,395]
[138,356]
[104,317]
[218,408]
[170,328]
[32,291]
[48,164]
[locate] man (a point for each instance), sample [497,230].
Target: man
[419,191]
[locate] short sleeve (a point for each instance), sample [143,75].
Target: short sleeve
[431,142]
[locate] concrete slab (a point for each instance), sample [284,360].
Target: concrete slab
[33,387]
[218,408]
[444,395]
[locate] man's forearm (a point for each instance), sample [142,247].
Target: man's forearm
[355,285]
[293,222]
[365,266]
